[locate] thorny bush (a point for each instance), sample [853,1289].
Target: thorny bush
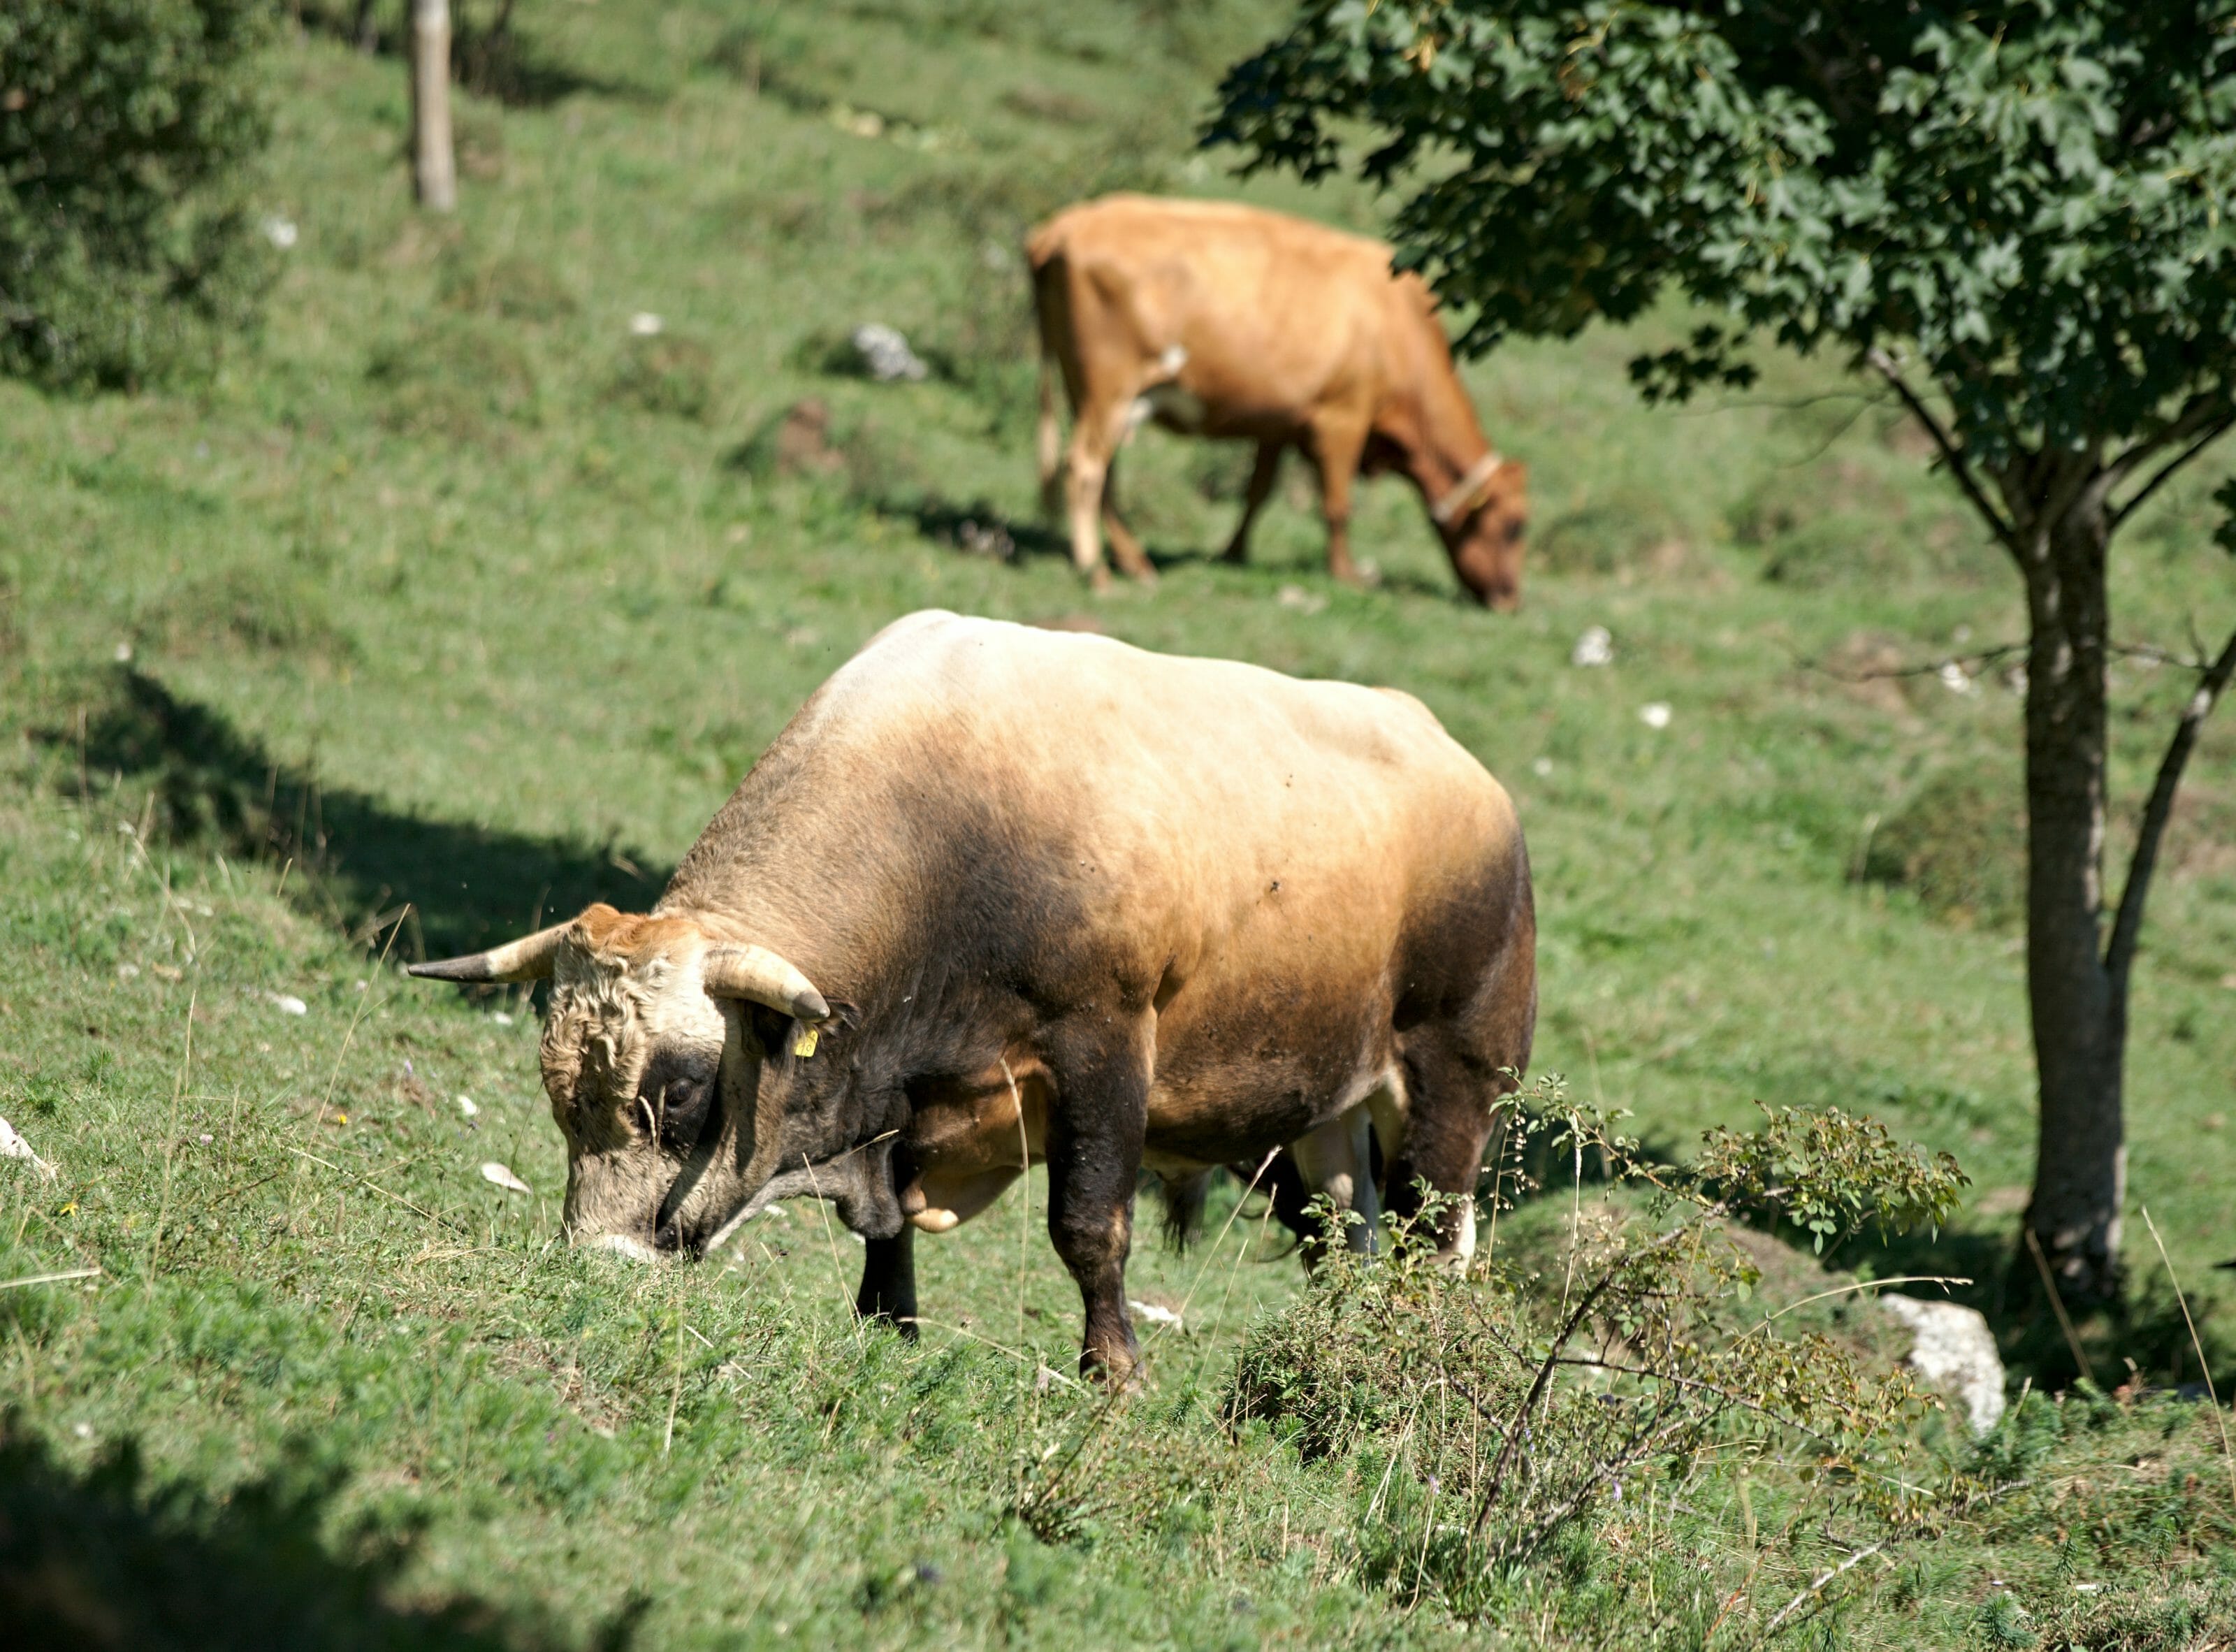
[1498,1412]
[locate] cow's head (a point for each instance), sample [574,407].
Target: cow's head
[1482,521]
[681,1069]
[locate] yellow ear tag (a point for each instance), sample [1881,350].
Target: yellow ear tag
[804,1046]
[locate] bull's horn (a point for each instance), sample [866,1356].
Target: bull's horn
[756,973]
[527,959]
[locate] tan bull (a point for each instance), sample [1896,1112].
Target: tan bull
[1215,319]
[999,896]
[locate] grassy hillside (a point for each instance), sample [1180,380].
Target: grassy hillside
[455,600]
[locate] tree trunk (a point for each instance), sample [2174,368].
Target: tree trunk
[2078,1004]
[434,168]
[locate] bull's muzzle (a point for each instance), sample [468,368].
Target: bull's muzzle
[621,1245]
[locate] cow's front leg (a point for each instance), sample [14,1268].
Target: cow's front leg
[1094,1137]
[1335,449]
[888,1290]
[1262,473]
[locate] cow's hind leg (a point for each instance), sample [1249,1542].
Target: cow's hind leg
[1263,470]
[1133,561]
[1086,465]
[888,1290]
[1094,1134]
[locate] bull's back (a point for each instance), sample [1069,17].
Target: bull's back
[1286,869]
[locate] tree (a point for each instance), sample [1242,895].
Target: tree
[129,131]
[2016,215]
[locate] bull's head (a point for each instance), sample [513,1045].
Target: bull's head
[679,1069]
[1481,520]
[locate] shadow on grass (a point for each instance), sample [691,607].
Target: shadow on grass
[984,529]
[359,862]
[977,529]
[104,1559]
[2144,1338]
[491,60]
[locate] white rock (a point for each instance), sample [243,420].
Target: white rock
[494,1172]
[288,1004]
[1954,1349]
[501,1019]
[13,1146]
[123,653]
[1595,648]
[1542,768]
[886,355]
[1654,713]
[1155,1315]
[466,1106]
[1953,678]
[645,324]
[281,232]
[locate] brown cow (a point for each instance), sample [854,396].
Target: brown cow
[1228,321]
[999,895]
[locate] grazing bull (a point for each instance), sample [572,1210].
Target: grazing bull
[1000,895]
[1224,320]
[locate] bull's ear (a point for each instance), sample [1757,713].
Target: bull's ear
[758,975]
[530,959]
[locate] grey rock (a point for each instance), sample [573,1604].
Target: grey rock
[886,354]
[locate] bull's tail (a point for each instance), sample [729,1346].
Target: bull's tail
[1184,1202]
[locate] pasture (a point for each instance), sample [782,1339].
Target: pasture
[465,594]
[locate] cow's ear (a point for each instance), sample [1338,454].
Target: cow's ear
[758,976]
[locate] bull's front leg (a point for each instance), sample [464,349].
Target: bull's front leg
[1094,1137]
[888,1290]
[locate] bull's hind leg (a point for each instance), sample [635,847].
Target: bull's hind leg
[888,1290]
[1338,1161]
[1094,1134]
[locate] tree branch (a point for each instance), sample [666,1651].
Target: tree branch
[2213,433]
[2120,954]
[1930,668]
[2206,407]
[1951,454]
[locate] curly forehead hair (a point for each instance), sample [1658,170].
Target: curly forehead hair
[597,1034]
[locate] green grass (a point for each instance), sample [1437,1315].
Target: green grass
[449,591]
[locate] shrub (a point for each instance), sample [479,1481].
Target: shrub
[1496,1417]
[128,130]
[454,377]
[666,374]
[1959,844]
[278,610]
[510,285]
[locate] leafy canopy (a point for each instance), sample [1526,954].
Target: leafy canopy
[128,134]
[2030,199]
